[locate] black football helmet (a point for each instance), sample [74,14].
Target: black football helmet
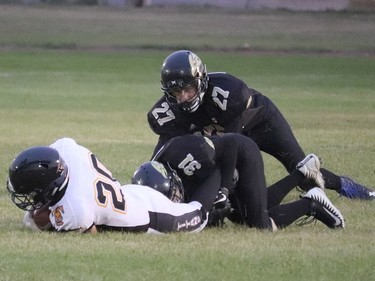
[180,70]
[161,178]
[35,176]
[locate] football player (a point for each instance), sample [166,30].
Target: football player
[204,165]
[214,103]
[82,195]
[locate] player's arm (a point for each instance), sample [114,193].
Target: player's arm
[177,217]
[92,229]
[162,140]
[206,190]
[38,220]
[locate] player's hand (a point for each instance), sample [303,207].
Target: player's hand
[220,209]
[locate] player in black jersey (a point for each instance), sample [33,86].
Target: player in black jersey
[204,165]
[215,103]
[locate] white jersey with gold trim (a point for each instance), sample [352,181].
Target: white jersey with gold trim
[95,197]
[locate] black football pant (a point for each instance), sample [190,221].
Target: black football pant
[273,135]
[237,151]
[254,202]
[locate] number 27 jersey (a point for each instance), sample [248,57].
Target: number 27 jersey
[225,100]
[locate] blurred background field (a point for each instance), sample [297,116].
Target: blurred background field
[103,28]
[92,73]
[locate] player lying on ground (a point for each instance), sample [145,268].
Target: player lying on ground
[206,165]
[215,103]
[65,187]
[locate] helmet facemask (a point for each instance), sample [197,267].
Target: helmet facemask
[26,202]
[38,197]
[176,192]
[184,70]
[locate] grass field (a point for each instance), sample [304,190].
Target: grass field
[92,74]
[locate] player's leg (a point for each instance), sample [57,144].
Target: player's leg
[315,203]
[279,190]
[308,168]
[249,197]
[274,136]
[250,192]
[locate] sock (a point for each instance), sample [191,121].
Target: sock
[286,214]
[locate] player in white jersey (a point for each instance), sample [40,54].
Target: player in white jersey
[82,195]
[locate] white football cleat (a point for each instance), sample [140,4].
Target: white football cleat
[323,210]
[310,167]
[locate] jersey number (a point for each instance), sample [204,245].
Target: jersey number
[220,97]
[189,165]
[106,188]
[163,110]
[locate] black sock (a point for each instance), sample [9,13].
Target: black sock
[286,214]
[332,181]
[277,192]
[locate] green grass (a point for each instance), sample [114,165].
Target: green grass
[101,97]
[185,27]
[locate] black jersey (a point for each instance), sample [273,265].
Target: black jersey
[204,165]
[226,98]
[191,156]
[230,106]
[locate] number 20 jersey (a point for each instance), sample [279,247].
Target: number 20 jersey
[94,197]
